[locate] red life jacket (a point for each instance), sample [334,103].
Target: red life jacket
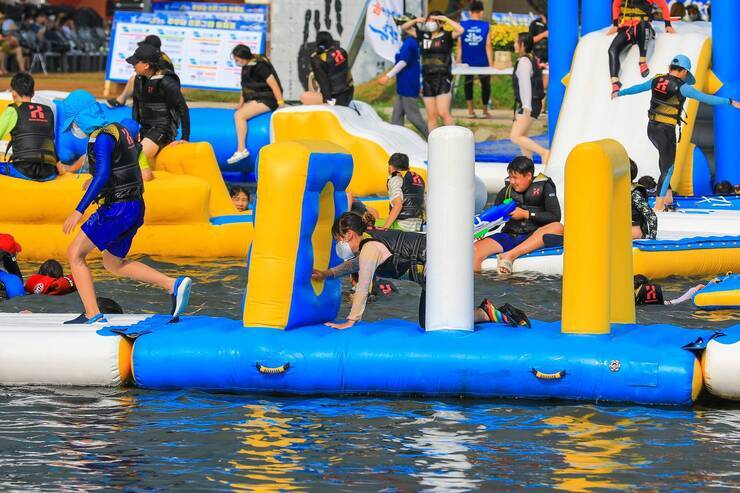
[40,284]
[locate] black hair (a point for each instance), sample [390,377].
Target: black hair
[434,12]
[51,268]
[108,306]
[324,40]
[242,51]
[648,182]
[521,165]
[237,189]
[352,221]
[639,280]
[23,84]
[399,160]
[527,41]
[476,6]
[675,67]
[633,170]
[723,188]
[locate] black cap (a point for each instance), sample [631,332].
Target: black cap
[152,40]
[144,53]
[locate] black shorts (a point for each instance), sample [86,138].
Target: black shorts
[536,108]
[269,102]
[436,85]
[344,98]
[157,135]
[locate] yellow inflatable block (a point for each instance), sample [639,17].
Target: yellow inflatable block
[181,202]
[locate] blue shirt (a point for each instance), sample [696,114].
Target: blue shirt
[474,43]
[687,91]
[408,80]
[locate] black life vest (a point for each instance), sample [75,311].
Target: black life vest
[336,61]
[666,103]
[413,195]
[636,9]
[125,182]
[150,103]
[254,87]
[649,294]
[32,138]
[637,217]
[533,200]
[538,87]
[436,52]
[538,27]
[408,253]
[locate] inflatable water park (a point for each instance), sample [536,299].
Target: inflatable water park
[306,158]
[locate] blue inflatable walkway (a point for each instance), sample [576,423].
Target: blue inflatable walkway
[504,151]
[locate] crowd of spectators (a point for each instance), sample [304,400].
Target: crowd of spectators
[53,38]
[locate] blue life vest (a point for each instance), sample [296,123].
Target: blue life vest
[13,284]
[474,43]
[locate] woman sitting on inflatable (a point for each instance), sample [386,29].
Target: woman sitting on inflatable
[392,254]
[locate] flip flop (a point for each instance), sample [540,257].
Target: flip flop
[504,266]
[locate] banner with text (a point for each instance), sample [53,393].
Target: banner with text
[380,28]
[235,11]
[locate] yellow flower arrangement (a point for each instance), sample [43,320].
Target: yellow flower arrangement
[503,36]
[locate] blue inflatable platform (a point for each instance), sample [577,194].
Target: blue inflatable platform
[641,364]
[504,151]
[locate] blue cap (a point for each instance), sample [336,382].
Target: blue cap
[81,107]
[684,62]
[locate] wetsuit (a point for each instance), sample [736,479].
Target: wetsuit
[160,108]
[473,43]
[31,128]
[642,214]
[633,18]
[254,82]
[540,50]
[666,110]
[529,89]
[117,185]
[436,62]
[409,187]
[390,255]
[332,72]
[540,199]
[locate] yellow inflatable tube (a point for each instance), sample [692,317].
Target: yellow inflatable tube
[188,210]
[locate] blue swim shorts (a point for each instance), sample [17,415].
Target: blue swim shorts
[113,226]
[507,241]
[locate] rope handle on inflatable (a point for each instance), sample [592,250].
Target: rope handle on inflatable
[548,376]
[272,370]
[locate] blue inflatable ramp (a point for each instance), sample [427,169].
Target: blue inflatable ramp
[640,364]
[504,151]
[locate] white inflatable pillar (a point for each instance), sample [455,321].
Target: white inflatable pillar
[450,211]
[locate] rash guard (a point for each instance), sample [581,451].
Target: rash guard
[686,90]
[8,120]
[103,148]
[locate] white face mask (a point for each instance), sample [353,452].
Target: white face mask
[343,250]
[77,131]
[431,26]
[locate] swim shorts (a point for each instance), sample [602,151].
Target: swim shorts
[157,135]
[113,226]
[269,102]
[507,241]
[436,85]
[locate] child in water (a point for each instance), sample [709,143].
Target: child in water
[647,293]
[240,197]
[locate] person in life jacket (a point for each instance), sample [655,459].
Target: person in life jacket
[537,214]
[117,187]
[50,280]
[540,33]
[11,279]
[332,72]
[436,35]
[128,91]
[159,106]
[407,71]
[261,92]
[406,195]
[632,21]
[669,93]
[31,128]
[648,293]
[529,92]
[644,219]
[476,50]
[392,255]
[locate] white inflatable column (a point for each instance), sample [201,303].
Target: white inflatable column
[450,210]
